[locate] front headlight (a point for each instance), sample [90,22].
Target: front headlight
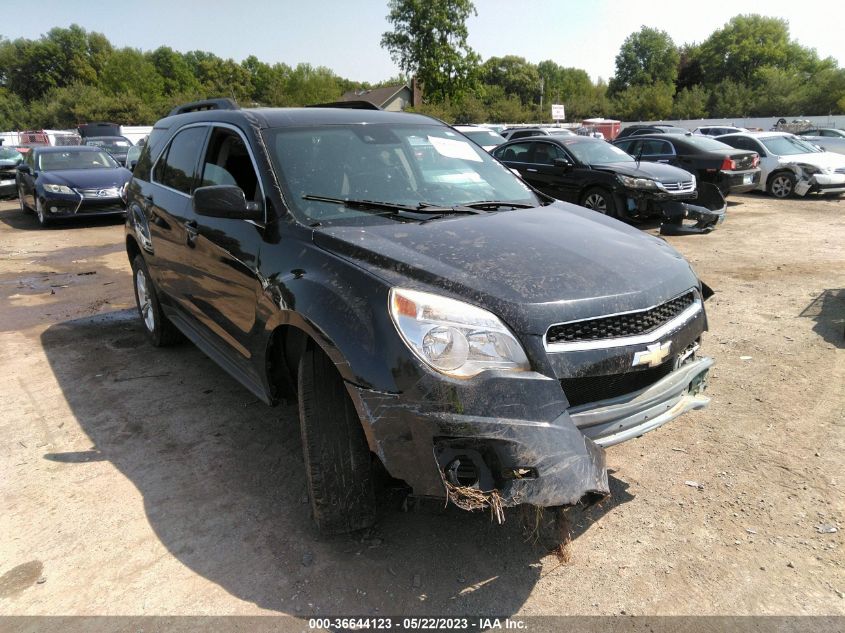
[637,183]
[59,189]
[453,337]
[812,170]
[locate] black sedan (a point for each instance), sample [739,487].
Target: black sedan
[71,181]
[117,146]
[730,169]
[596,175]
[9,160]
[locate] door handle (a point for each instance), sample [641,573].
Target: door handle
[533,171]
[191,232]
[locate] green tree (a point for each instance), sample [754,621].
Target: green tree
[128,71]
[429,40]
[746,44]
[689,67]
[731,99]
[515,75]
[174,71]
[644,102]
[691,103]
[646,57]
[13,111]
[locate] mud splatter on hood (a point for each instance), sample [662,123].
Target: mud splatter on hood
[533,267]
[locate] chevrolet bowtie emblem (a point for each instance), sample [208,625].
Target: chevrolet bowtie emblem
[654,354]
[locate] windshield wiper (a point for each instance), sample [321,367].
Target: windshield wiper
[497,204]
[392,207]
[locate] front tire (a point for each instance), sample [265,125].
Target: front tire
[24,207]
[41,213]
[338,465]
[600,200]
[782,185]
[158,328]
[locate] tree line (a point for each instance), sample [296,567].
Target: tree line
[749,67]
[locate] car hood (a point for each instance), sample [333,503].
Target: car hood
[819,159]
[655,171]
[86,178]
[532,267]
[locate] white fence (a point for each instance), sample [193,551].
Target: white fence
[764,123]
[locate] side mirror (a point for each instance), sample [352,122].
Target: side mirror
[563,164]
[24,169]
[130,165]
[225,201]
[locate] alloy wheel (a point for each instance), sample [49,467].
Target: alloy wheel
[145,302]
[781,186]
[596,202]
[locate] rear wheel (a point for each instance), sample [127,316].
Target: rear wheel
[600,200]
[158,328]
[782,185]
[338,465]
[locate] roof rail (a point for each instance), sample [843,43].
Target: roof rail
[206,104]
[357,105]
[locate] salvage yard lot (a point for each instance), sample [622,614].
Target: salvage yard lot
[143,481]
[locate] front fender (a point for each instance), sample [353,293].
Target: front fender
[344,310]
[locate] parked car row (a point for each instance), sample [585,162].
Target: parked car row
[602,177]
[731,170]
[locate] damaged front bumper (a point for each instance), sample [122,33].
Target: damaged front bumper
[535,449]
[706,214]
[820,183]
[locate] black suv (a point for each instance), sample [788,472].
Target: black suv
[428,309]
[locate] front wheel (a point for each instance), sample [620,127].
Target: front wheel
[158,328]
[24,207]
[338,465]
[599,200]
[41,212]
[782,185]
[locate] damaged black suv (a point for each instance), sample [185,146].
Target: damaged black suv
[429,310]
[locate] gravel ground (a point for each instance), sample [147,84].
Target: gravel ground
[139,481]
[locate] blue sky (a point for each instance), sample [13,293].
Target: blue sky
[344,35]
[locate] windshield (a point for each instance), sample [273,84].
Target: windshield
[596,152]
[402,164]
[7,153]
[55,161]
[109,143]
[788,145]
[485,138]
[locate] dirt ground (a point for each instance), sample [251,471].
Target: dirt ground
[136,481]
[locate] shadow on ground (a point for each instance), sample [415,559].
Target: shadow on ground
[17,219]
[223,487]
[828,311]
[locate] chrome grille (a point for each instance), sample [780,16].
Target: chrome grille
[100,193]
[620,325]
[841,170]
[679,187]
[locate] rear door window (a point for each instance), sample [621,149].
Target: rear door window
[516,153]
[177,167]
